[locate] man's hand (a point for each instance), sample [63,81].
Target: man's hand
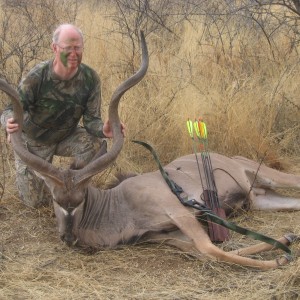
[107,131]
[11,127]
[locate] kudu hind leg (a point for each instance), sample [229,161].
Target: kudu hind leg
[196,233]
[262,199]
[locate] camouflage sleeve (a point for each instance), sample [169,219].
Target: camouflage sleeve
[8,111]
[25,94]
[27,88]
[92,120]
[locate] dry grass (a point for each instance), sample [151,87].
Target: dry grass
[246,101]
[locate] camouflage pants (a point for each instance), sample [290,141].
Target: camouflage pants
[32,189]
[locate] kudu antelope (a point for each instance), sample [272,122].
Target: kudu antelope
[143,208]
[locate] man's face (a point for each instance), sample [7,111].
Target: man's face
[69,48]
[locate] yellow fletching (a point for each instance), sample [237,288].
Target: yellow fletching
[189,125]
[196,127]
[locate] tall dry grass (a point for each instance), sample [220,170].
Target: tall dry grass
[247,95]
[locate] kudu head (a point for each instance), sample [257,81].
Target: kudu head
[68,187]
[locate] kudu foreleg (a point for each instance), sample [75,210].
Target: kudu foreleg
[175,239]
[193,229]
[262,247]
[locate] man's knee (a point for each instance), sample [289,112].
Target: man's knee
[32,190]
[81,145]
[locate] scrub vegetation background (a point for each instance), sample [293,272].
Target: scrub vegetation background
[233,63]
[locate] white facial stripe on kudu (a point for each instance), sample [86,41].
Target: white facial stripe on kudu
[72,213]
[76,208]
[63,210]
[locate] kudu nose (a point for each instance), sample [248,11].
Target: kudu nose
[69,239]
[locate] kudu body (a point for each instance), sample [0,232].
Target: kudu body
[143,208]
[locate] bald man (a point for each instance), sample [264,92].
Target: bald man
[57,94]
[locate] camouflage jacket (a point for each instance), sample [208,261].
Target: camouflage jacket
[54,107]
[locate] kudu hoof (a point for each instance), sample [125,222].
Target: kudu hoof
[292,238]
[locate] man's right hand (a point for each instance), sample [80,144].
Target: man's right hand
[11,127]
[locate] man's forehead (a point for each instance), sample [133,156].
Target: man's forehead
[69,36]
[71,39]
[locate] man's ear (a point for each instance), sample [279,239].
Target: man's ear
[54,47]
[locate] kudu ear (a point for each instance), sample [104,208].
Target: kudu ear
[51,182]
